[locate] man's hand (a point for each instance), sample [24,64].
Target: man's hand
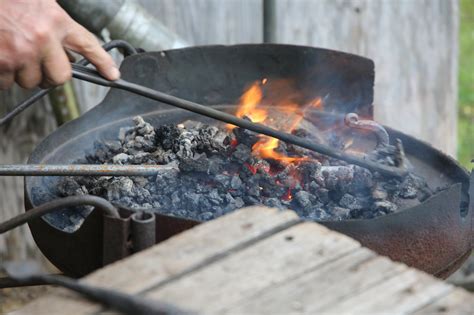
[34,37]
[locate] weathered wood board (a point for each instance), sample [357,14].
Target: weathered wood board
[414,44]
[17,140]
[265,261]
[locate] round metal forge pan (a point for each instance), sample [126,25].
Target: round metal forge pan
[435,236]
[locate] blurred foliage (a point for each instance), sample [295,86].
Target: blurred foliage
[466,84]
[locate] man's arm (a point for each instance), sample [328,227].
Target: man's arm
[34,37]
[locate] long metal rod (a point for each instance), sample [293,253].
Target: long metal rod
[82,170]
[72,201]
[119,301]
[93,76]
[8,282]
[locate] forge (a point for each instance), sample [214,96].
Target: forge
[424,219]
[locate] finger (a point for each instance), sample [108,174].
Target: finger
[29,75]
[70,55]
[84,43]
[55,65]
[6,80]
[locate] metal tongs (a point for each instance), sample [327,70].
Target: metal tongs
[91,75]
[80,71]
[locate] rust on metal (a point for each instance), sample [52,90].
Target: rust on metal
[82,170]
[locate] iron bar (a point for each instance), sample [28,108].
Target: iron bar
[119,301]
[82,170]
[56,204]
[8,282]
[93,76]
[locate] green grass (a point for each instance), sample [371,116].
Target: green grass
[466,84]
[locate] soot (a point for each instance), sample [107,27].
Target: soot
[216,172]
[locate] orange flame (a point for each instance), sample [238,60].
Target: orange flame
[286,114]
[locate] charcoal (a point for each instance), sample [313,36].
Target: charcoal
[385,206]
[362,180]
[124,132]
[350,202]
[69,187]
[222,180]
[309,169]
[235,182]
[253,191]
[273,202]
[341,213]
[216,172]
[117,187]
[250,200]
[211,139]
[166,135]
[378,193]
[242,153]
[175,199]
[205,216]
[323,195]
[245,137]
[318,214]
[214,197]
[233,203]
[204,204]
[121,158]
[304,199]
[192,199]
[195,164]
[216,166]
[412,186]
[114,146]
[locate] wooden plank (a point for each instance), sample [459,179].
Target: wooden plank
[458,302]
[322,286]
[17,140]
[173,257]
[207,22]
[283,256]
[402,294]
[414,45]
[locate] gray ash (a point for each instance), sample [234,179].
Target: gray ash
[217,173]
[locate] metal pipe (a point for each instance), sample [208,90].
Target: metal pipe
[143,227]
[124,19]
[92,14]
[93,76]
[269,21]
[82,170]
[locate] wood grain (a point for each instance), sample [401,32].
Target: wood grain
[458,302]
[402,294]
[322,286]
[414,45]
[17,140]
[264,261]
[173,257]
[271,261]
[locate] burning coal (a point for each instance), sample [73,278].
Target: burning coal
[220,169]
